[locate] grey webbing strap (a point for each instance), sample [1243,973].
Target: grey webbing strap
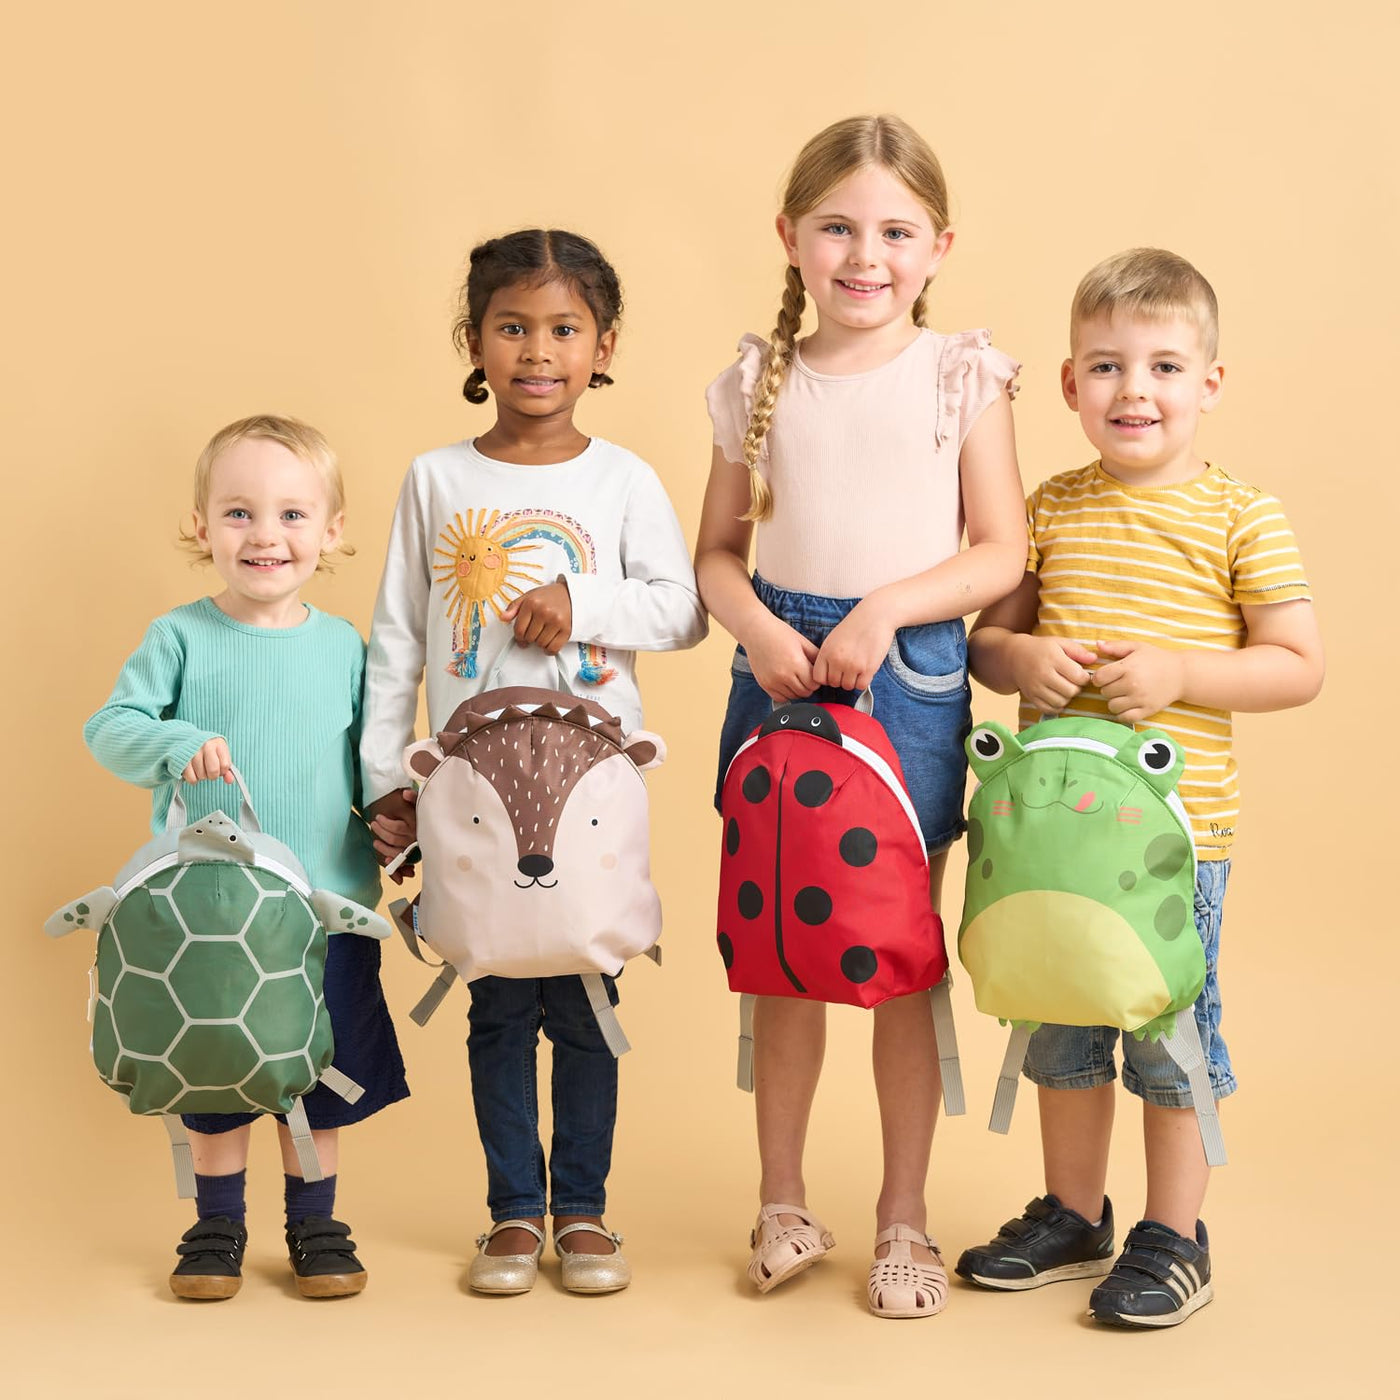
[949,1066]
[175,816]
[397,910]
[180,1151]
[1005,1101]
[1184,1046]
[431,999]
[300,1130]
[341,1084]
[745,1075]
[603,1010]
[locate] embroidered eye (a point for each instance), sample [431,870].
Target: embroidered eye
[1157,757]
[815,721]
[986,744]
[476,821]
[594,822]
[784,719]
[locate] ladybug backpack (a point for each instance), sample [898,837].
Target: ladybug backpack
[1079,911]
[823,890]
[206,992]
[534,837]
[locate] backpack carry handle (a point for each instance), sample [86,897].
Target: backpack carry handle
[494,680]
[176,816]
[864,702]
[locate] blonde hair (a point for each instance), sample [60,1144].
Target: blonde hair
[303,441]
[1148,284]
[827,159]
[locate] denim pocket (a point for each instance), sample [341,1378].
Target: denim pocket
[930,659]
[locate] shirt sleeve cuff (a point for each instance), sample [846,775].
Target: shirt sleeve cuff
[591,600]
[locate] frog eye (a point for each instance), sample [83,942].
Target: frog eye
[988,745]
[1157,757]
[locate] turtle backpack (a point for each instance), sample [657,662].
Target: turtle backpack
[1079,910]
[206,991]
[534,837]
[824,879]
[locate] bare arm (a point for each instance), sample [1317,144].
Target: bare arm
[1280,665]
[781,657]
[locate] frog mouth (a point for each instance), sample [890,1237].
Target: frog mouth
[1089,803]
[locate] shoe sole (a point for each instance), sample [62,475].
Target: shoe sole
[204,1288]
[800,1266]
[1090,1268]
[1174,1319]
[331,1285]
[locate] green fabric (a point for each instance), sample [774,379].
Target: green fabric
[205,1000]
[1079,905]
[287,700]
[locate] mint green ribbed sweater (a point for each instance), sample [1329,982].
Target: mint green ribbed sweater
[287,700]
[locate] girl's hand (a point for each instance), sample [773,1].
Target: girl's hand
[1049,671]
[1140,680]
[543,617]
[854,649]
[212,761]
[393,822]
[782,659]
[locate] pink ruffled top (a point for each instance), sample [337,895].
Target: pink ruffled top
[864,467]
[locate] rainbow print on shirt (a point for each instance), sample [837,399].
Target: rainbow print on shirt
[482,565]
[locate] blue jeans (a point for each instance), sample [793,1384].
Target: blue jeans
[505,1019]
[1081,1057]
[921,694]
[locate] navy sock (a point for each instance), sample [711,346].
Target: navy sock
[308,1198]
[221,1195]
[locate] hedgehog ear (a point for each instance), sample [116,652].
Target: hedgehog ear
[645,749]
[423,757]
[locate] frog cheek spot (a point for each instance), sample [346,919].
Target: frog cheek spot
[1165,855]
[1170,917]
[1127,880]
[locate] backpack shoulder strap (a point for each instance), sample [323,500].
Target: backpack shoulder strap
[180,1151]
[300,1130]
[949,1065]
[745,1074]
[341,1084]
[1005,1102]
[1184,1046]
[603,1010]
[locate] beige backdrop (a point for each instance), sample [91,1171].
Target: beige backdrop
[214,211]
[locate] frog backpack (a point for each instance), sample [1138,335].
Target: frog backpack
[206,991]
[1079,909]
[823,889]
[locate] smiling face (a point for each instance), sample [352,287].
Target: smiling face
[266,526]
[539,346]
[865,250]
[1140,387]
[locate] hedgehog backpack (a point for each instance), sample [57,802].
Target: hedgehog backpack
[824,879]
[534,837]
[1079,909]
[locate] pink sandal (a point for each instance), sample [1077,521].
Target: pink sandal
[902,1286]
[781,1251]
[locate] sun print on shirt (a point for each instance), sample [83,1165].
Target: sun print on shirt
[481,567]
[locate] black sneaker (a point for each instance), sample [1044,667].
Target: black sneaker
[1047,1244]
[211,1259]
[1159,1280]
[323,1258]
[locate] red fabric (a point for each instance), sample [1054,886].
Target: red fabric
[823,878]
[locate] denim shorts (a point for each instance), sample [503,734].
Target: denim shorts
[1081,1057]
[921,694]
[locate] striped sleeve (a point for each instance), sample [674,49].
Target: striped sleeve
[1265,565]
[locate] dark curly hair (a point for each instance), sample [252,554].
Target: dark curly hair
[535,256]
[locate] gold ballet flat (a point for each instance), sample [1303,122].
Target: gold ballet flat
[593,1273]
[505,1273]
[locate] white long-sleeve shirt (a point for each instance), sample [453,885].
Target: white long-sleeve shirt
[470,534]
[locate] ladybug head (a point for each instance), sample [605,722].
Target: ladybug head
[801,718]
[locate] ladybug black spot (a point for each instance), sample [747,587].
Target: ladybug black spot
[859,964]
[726,949]
[757,784]
[731,837]
[858,846]
[812,788]
[750,900]
[812,905]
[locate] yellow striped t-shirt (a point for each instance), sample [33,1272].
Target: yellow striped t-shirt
[1172,566]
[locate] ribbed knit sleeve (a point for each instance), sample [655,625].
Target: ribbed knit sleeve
[134,734]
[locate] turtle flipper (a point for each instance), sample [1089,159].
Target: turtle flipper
[88,912]
[341,915]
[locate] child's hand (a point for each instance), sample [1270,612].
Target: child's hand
[854,649]
[1140,680]
[781,658]
[212,761]
[393,822]
[543,617]
[1049,671]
